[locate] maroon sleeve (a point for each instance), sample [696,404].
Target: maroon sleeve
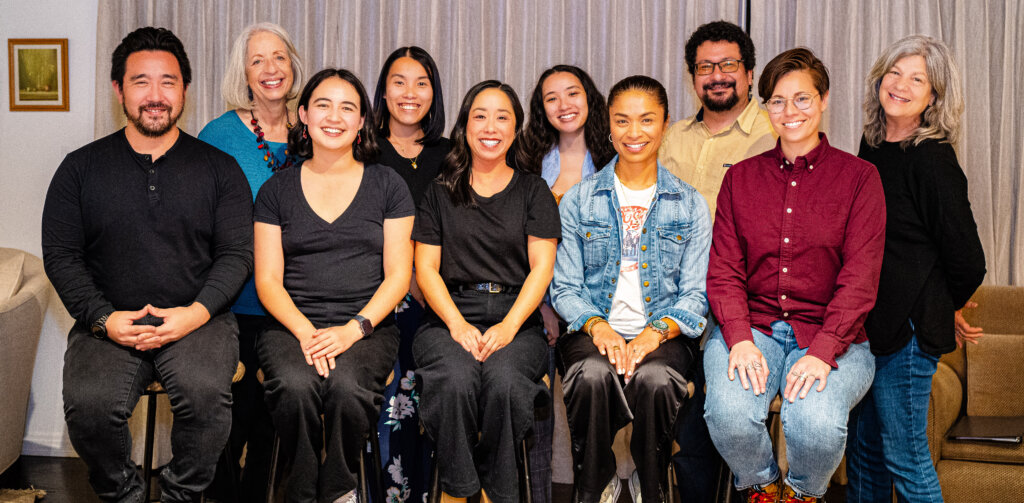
[727,270]
[856,285]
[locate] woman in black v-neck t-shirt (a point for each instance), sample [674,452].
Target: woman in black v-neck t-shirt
[485,236]
[333,258]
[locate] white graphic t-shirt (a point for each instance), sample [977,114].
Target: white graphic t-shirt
[627,316]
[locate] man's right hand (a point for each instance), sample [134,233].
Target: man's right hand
[121,328]
[610,344]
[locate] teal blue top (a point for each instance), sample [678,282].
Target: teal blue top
[229,134]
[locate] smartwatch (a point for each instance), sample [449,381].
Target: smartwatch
[99,327]
[364,325]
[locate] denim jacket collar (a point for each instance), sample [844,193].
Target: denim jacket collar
[666,182]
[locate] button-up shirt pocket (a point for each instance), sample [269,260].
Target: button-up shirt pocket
[672,241]
[597,244]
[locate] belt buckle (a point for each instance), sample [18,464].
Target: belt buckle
[493,288]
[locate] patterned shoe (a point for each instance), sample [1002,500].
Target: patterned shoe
[766,494]
[611,491]
[789,496]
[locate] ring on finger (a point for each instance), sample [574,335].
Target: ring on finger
[756,365]
[615,348]
[749,366]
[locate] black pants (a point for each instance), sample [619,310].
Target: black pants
[475,412]
[252,431]
[697,462]
[348,401]
[598,404]
[103,382]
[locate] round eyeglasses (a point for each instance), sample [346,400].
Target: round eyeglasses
[726,65]
[777,104]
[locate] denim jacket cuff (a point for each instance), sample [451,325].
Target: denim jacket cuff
[578,323]
[690,324]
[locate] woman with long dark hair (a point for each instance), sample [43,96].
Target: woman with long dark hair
[409,109]
[486,234]
[333,258]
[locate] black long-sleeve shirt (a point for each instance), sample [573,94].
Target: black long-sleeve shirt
[933,257]
[121,230]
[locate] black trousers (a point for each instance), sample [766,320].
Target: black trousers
[103,382]
[599,403]
[313,414]
[475,412]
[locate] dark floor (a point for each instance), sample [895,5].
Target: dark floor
[65,481]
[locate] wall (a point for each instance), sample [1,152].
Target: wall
[34,143]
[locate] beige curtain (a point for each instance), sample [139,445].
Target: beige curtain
[987,39]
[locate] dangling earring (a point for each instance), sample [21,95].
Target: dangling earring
[304,134]
[610,140]
[249,89]
[359,138]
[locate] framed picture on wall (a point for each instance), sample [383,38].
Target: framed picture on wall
[38,74]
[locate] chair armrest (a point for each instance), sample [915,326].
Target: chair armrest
[944,407]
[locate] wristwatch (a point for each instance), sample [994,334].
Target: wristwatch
[364,325]
[661,328]
[99,327]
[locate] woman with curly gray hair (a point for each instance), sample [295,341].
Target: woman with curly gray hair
[933,262]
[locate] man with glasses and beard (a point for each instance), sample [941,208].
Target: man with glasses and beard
[728,128]
[147,238]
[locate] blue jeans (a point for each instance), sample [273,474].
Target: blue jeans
[888,440]
[815,426]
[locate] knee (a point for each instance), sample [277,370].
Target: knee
[590,377]
[191,396]
[658,383]
[461,384]
[725,414]
[290,393]
[85,403]
[816,430]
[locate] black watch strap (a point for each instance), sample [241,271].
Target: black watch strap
[364,325]
[99,327]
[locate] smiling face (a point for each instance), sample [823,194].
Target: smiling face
[153,92]
[268,67]
[720,91]
[798,129]
[408,92]
[333,117]
[637,124]
[905,91]
[491,127]
[565,102]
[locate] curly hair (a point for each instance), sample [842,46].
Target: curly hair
[720,31]
[540,136]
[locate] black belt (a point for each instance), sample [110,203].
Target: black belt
[485,288]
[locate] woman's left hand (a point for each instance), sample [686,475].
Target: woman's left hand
[496,338]
[638,348]
[551,327]
[802,375]
[332,341]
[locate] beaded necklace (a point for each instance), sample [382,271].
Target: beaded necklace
[261,144]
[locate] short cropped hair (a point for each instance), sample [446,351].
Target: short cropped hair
[720,31]
[941,120]
[235,88]
[149,38]
[793,60]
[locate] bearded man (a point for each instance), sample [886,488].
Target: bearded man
[147,238]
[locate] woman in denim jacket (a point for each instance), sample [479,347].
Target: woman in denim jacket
[629,281]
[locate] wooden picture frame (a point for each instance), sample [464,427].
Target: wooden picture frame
[38,74]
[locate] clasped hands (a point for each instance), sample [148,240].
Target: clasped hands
[323,345]
[177,323]
[747,361]
[625,357]
[482,346]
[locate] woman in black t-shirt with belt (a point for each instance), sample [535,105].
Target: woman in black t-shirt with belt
[486,235]
[333,258]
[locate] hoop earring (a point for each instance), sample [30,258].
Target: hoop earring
[610,140]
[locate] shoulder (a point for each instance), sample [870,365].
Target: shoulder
[382,174]
[100,147]
[935,159]
[217,158]
[220,126]
[851,164]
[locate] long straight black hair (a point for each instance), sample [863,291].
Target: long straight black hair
[458,164]
[365,148]
[540,136]
[432,123]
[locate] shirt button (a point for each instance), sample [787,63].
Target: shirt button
[613,281]
[606,311]
[152,171]
[609,295]
[785,240]
[643,247]
[650,313]
[644,230]
[783,297]
[588,234]
[151,187]
[647,283]
[616,262]
[644,265]
[785,315]
[810,167]
[647,299]
[785,269]
[793,183]
[789,210]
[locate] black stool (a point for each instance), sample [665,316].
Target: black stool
[151,393]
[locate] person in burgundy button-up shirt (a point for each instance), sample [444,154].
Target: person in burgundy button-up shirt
[797,249]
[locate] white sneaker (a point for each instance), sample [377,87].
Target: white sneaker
[349,497]
[612,490]
[634,487]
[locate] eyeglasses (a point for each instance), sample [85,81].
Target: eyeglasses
[777,104]
[726,65]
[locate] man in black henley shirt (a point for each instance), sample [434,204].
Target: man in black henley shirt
[147,238]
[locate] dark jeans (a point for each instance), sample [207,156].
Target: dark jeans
[475,412]
[540,448]
[697,462]
[103,382]
[251,427]
[333,415]
[888,441]
[599,403]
